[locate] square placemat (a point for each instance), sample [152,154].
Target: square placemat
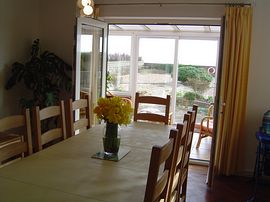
[116,157]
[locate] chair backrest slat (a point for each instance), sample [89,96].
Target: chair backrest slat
[15,145]
[78,104]
[156,187]
[151,116]
[51,134]
[176,170]
[12,122]
[12,149]
[81,123]
[191,118]
[84,121]
[49,112]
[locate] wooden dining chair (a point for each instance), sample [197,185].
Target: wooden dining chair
[6,138]
[191,118]
[21,146]
[206,126]
[148,115]
[173,193]
[84,121]
[156,187]
[49,125]
[193,114]
[126,98]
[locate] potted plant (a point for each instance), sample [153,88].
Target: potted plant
[45,74]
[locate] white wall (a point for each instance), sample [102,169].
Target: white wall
[18,24]
[258,88]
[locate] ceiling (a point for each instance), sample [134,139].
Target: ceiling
[164,28]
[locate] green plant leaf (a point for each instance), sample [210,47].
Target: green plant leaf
[35,48]
[45,74]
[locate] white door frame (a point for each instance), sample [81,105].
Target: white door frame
[82,22]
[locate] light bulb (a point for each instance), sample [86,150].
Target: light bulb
[85,2]
[88,10]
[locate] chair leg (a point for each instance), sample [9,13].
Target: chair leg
[199,141]
[184,191]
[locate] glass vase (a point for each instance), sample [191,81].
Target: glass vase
[111,139]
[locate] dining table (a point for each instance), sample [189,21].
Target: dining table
[68,172]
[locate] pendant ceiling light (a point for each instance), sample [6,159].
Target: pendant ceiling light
[84,2]
[88,10]
[86,7]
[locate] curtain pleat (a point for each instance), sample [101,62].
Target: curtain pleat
[234,80]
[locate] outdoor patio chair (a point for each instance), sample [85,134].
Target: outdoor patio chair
[206,125]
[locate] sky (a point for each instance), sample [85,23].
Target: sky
[153,50]
[198,52]
[161,50]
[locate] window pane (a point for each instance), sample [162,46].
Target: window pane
[196,76]
[86,51]
[119,48]
[198,52]
[155,66]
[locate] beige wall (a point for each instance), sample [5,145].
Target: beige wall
[57,19]
[23,21]
[18,27]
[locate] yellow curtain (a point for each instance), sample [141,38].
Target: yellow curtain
[234,79]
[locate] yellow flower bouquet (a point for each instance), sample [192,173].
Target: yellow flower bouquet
[114,110]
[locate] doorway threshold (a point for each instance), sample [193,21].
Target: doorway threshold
[198,162]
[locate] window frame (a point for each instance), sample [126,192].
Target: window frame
[135,38]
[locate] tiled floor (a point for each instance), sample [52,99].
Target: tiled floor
[203,152]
